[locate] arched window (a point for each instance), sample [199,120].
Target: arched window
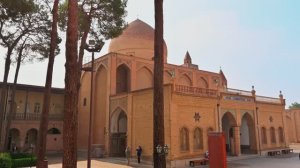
[272,134]
[210,129]
[280,133]
[184,139]
[198,138]
[123,79]
[53,131]
[263,135]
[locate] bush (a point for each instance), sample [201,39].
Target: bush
[24,162]
[5,160]
[20,155]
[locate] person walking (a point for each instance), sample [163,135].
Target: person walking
[139,153]
[128,154]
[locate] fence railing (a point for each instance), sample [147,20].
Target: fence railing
[239,92]
[35,117]
[268,99]
[195,91]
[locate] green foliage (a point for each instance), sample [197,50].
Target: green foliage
[21,155]
[103,18]
[5,160]
[13,9]
[31,24]
[294,105]
[17,160]
[24,162]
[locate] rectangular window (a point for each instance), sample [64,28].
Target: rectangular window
[37,107]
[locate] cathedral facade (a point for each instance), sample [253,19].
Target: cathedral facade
[195,103]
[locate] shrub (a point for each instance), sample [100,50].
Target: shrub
[24,162]
[20,155]
[5,160]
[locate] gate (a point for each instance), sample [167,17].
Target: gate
[118,144]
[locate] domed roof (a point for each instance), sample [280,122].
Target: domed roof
[136,40]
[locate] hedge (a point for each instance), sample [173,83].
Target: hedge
[5,160]
[17,160]
[24,162]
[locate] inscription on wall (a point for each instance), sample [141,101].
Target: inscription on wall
[238,98]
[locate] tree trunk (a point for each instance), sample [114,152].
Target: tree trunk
[12,103]
[158,91]
[4,83]
[42,140]
[71,89]
[3,95]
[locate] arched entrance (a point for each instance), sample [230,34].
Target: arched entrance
[118,133]
[248,143]
[229,127]
[31,139]
[13,139]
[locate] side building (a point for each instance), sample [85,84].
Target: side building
[292,118]
[26,114]
[195,103]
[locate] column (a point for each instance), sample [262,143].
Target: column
[236,141]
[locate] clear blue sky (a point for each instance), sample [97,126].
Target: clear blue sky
[256,42]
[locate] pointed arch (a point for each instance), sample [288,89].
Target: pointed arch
[84,94]
[280,134]
[184,139]
[202,83]
[115,120]
[210,129]
[185,80]
[123,79]
[101,64]
[228,122]
[144,78]
[247,136]
[100,105]
[264,135]
[198,138]
[167,77]
[273,135]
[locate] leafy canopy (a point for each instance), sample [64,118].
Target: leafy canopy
[294,105]
[102,18]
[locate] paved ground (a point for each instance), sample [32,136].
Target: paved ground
[286,161]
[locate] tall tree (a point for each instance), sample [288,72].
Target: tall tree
[12,100]
[47,92]
[71,89]
[158,91]
[17,18]
[97,19]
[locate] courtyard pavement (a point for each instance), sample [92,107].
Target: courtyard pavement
[284,161]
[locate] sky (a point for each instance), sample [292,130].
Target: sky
[254,42]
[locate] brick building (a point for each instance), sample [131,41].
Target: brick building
[196,102]
[25,122]
[293,125]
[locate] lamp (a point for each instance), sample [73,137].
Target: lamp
[91,47]
[166,149]
[162,150]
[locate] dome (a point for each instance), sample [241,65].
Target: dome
[136,40]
